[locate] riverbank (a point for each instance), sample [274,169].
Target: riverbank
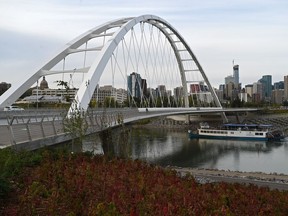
[59,183]
[203,176]
[179,122]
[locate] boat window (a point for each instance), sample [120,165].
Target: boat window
[232,132]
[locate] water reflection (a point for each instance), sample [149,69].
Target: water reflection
[168,147]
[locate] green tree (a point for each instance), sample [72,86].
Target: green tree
[76,124]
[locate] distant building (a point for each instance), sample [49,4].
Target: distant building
[229,79]
[286,87]
[279,85]
[144,87]
[266,87]
[161,91]
[151,93]
[44,98]
[249,90]
[107,91]
[220,94]
[236,74]
[198,88]
[4,87]
[44,84]
[178,93]
[277,96]
[257,92]
[46,95]
[229,90]
[136,85]
[67,94]
[233,78]
[222,87]
[243,96]
[256,98]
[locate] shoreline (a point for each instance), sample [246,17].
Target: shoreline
[272,180]
[203,176]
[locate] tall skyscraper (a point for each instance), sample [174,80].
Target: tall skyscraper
[267,86]
[134,83]
[286,87]
[236,74]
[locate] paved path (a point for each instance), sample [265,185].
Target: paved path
[273,181]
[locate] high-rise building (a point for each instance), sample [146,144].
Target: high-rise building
[286,87]
[161,91]
[267,87]
[199,87]
[277,96]
[229,79]
[236,74]
[249,90]
[178,92]
[134,83]
[151,93]
[220,94]
[179,95]
[257,92]
[222,87]
[229,90]
[233,78]
[144,87]
[279,85]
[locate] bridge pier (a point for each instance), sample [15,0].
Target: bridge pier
[187,119]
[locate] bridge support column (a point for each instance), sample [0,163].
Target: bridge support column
[187,119]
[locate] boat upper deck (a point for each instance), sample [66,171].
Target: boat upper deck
[254,127]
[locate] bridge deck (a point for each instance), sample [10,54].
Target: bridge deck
[24,128]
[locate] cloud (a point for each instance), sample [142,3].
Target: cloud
[253,32]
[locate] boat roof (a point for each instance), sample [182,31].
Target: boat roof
[247,125]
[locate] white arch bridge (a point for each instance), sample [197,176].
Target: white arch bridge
[143,56]
[136,63]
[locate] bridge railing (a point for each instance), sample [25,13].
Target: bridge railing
[26,128]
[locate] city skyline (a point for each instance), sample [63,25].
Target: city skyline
[250,33]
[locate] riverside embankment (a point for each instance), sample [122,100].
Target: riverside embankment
[258,153]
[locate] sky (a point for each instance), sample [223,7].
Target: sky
[252,33]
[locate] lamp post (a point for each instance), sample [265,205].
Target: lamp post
[37,96]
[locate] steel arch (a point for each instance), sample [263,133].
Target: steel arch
[83,98]
[95,71]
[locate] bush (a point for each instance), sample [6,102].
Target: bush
[83,184]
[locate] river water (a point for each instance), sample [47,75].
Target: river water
[167,147]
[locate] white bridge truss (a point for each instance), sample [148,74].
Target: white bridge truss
[112,34]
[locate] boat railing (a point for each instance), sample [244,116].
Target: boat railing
[204,125]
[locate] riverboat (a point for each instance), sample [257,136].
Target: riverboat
[237,131]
